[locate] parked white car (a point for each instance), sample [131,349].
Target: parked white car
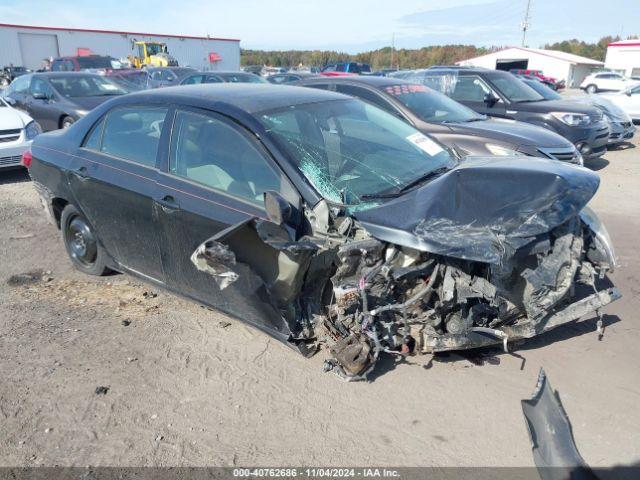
[628,100]
[606,82]
[17,130]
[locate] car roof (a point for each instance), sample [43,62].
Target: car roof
[249,97]
[372,81]
[462,70]
[65,74]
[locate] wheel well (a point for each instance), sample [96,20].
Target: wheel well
[61,119]
[57,206]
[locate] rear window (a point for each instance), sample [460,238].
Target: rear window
[133,133]
[95,62]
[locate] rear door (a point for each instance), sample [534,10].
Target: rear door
[215,177]
[113,178]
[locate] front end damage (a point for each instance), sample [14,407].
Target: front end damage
[348,287]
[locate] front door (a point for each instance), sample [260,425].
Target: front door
[472,91]
[215,178]
[113,177]
[42,109]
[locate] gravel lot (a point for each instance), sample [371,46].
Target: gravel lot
[191,386]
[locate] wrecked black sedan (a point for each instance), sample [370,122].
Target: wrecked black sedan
[324,221]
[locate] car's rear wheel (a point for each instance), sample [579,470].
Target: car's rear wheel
[81,243]
[67,122]
[592,89]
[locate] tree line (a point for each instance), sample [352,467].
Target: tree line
[409,58]
[378,59]
[595,51]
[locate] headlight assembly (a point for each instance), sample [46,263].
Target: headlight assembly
[501,151]
[32,130]
[573,119]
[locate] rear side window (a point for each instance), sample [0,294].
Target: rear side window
[94,139]
[366,95]
[133,133]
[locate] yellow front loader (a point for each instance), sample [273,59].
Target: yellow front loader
[151,54]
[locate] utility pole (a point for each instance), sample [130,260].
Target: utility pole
[393,47]
[525,22]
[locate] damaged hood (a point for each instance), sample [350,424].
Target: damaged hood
[484,209]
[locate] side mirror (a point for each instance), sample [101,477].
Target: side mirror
[279,211]
[490,99]
[628,93]
[40,96]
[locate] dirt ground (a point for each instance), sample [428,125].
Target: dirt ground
[191,386]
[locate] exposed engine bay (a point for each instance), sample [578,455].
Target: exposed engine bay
[360,296]
[428,272]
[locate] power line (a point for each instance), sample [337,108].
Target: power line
[525,22]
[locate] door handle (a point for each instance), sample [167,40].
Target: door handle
[81,173]
[168,203]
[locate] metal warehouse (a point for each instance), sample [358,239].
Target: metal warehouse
[560,65]
[624,56]
[28,46]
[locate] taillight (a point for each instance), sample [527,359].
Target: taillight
[26,159]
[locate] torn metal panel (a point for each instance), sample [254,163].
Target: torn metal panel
[217,260]
[484,209]
[554,448]
[268,251]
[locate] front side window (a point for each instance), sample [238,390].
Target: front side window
[213,79]
[133,133]
[469,89]
[192,80]
[167,75]
[213,152]
[515,90]
[39,86]
[351,151]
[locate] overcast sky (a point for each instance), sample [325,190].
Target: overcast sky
[347,25]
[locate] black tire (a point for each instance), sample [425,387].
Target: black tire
[67,122]
[591,88]
[81,243]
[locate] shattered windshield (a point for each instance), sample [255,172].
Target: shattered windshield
[349,150]
[431,106]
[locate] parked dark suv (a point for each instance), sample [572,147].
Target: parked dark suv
[499,94]
[449,122]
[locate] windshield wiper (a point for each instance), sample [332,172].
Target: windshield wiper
[530,100]
[408,186]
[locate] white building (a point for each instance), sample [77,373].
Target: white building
[624,56]
[553,63]
[28,46]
